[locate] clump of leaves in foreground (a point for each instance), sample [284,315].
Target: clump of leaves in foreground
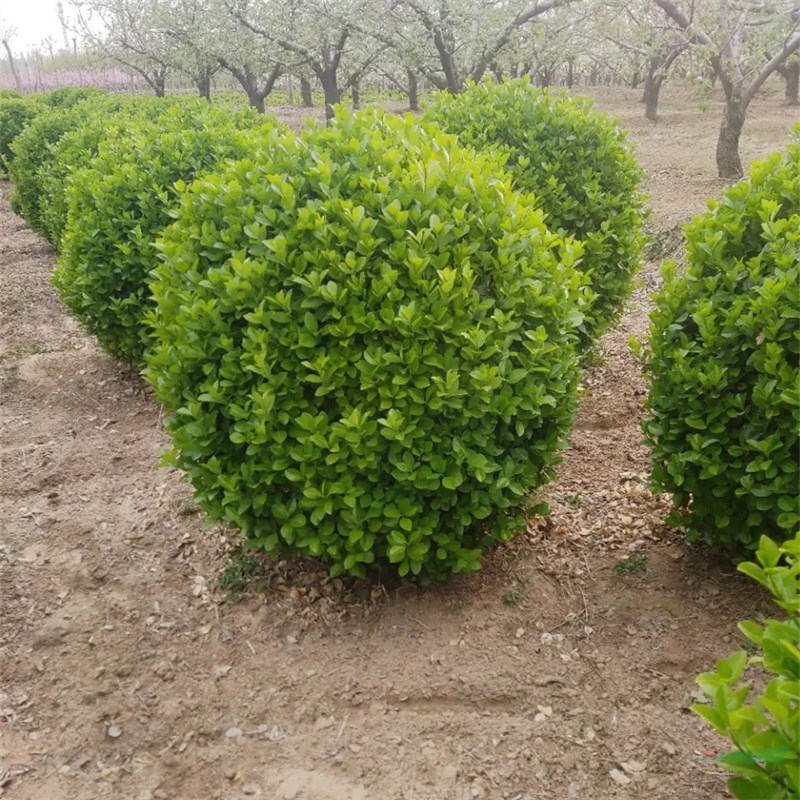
[368,342]
[765,731]
[724,362]
[119,204]
[578,164]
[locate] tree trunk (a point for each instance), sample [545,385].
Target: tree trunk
[306,93]
[657,69]
[330,86]
[355,95]
[413,90]
[203,83]
[17,81]
[635,78]
[791,74]
[256,101]
[454,83]
[652,89]
[570,74]
[729,164]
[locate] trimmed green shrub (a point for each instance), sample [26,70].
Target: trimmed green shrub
[77,148]
[723,356]
[367,339]
[118,205]
[15,116]
[578,164]
[68,96]
[765,731]
[74,151]
[32,151]
[57,144]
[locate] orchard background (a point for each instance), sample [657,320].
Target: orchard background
[146,653]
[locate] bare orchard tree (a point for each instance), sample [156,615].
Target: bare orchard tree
[321,36]
[403,74]
[463,38]
[128,32]
[176,19]
[6,34]
[212,38]
[548,50]
[146,36]
[652,42]
[735,37]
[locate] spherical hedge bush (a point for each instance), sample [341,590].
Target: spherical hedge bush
[120,203]
[368,341]
[723,359]
[578,164]
[32,151]
[15,116]
[110,117]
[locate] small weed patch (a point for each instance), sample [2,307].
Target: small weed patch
[630,566]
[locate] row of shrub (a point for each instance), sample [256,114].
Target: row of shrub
[369,335]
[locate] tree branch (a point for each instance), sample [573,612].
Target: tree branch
[490,53]
[792,46]
[698,34]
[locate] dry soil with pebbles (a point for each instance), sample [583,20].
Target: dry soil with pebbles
[563,670]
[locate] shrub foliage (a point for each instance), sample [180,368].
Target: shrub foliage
[765,731]
[32,153]
[367,339]
[15,116]
[68,96]
[578,164]
[724,404]
[110,117]
[117,206]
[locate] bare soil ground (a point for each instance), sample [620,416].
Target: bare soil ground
[562,670]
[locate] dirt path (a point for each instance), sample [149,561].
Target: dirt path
[548,675]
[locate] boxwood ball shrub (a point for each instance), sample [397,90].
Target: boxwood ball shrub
[15,116]
[723,356]
[110,117]
[32,152]
[368,342]
[578,164]
[118,205]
